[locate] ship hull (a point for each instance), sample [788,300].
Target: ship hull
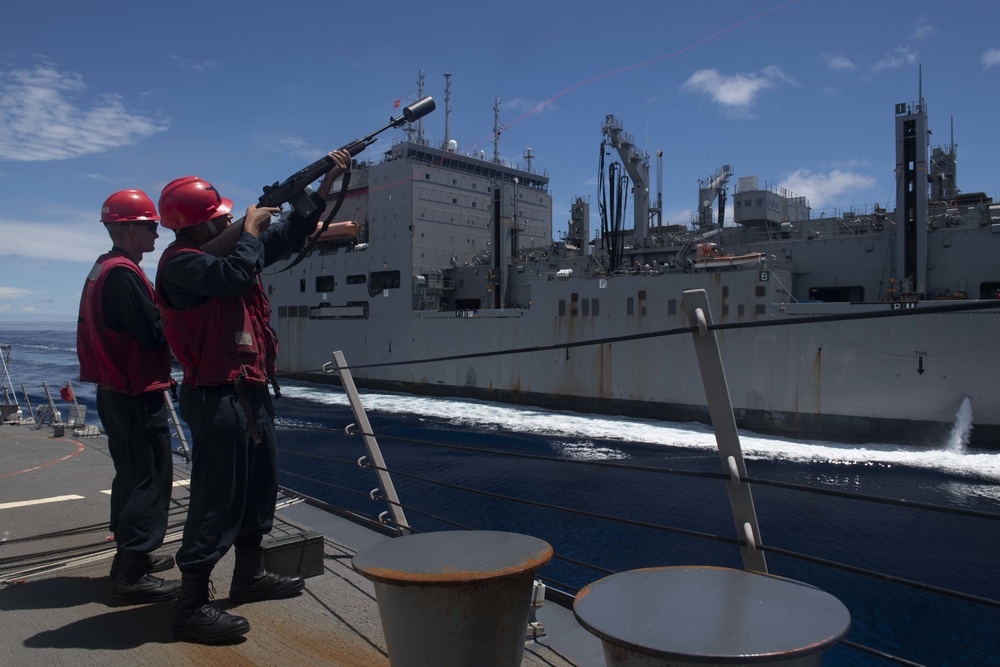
[890,379]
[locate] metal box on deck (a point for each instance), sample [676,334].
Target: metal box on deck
[296,554]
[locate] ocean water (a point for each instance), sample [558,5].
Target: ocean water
[950,551]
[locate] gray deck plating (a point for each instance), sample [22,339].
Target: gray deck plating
[55,594]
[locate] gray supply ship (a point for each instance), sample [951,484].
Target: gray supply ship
[439,275]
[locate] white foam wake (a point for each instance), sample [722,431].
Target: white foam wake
[979,466]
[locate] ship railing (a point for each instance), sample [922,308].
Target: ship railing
[574,557]
[434,502]
[813,228]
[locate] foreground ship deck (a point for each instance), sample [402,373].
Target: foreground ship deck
[55,593]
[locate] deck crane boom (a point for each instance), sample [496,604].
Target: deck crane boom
[710,189]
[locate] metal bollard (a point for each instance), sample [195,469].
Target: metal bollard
[454,597]
[675,616]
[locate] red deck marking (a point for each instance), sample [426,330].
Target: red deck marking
[79,450]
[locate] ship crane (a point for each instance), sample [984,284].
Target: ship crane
[636,164]
[611,206]
[710,189]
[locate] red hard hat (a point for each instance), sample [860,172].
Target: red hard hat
[128,206]
[190,201]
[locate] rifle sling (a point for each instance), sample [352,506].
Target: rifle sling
[326,222]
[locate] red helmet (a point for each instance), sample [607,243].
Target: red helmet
[190,201]
[128,206]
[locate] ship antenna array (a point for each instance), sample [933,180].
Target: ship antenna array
[496,131]
[420,123]
[447,108]
[420,96]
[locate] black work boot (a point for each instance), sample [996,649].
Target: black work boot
[157,563]
[251,582]
[133,583]
[198,619]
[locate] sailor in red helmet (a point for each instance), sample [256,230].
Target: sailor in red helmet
[216,318]
[122,349]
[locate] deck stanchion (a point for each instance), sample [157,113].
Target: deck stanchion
[374,452]
[27,402]
[178,430]
[720,408]
[49,413]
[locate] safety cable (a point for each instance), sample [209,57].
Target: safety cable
[569,510]
[880,575]
[880,654]
[691,533]
[326,484]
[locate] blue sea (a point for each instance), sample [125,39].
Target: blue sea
[950,551]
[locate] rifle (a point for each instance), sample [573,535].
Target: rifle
[292,191]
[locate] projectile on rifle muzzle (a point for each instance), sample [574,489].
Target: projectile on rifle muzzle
[419,109]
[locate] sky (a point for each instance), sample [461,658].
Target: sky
[100,96]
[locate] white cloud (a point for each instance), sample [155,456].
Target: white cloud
[682,216]
[991,58]
[74,238]
[905,55]
[299,148]
[736,91]
[98,177]
[42,117]
[851,164]
[527,106]
[18,310]
[14,292]
[198,65]
[923,30]
[69,236]
[838,63]
[826,189]
[900,56]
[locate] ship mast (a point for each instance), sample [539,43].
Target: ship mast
[420,96]
[657,211]
[496,131]
[447,108]
[911,195]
